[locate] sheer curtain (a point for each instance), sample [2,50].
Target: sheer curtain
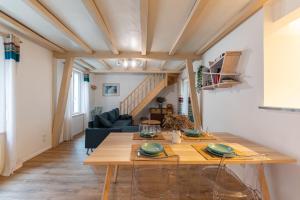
[86,99]
[9,58]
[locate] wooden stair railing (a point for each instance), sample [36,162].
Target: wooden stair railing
[142,95]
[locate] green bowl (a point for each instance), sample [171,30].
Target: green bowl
[220,148]
[152,148]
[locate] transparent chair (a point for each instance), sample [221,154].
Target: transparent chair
[227,185]
[154,179]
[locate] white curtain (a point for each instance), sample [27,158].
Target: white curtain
[86,99]
[9,56]
[67,127]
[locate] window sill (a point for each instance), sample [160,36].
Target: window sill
[77,114]
[279,108]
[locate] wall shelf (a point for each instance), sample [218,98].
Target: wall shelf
[222,72]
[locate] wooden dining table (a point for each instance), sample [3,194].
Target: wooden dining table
[116,150]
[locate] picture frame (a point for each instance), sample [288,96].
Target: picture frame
[111,89]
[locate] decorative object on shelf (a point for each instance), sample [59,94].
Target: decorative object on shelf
[160,101]
[93,87]
[111,89]
[222,72]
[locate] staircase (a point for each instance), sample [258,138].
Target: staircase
[141,96]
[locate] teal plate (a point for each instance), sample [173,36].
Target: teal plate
[147,154]
[220,148]
[147,134]
[152,148]
[191,132]
[219,154]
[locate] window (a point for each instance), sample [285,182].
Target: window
[77,80]
[281,63]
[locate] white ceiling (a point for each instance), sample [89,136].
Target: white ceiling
[166,19]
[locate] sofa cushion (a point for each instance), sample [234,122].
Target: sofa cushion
[125,116]
[119,123]
[96,122]
[112,116]
[104,115]
[102,122]
[117,112]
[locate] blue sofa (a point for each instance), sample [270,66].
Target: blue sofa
[104,124]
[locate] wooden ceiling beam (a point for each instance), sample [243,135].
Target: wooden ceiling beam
[30,33]
[104,27]
[163,65]
[85,64]
[144,25]
[109,55]
[181,67]
[145,65]
[44,12]
[77,64]
[232,24]
[106,64]
[194,14]
[136,71]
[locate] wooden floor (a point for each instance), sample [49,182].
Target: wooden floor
[58,174]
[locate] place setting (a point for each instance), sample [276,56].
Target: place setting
[152,150]
[216,151]
[196,134]
[148,133]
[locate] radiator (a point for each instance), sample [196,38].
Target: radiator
[2,150]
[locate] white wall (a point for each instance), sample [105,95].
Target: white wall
[235,110]
[34,101]
[128,82]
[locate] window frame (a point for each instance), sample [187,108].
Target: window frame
[80,81]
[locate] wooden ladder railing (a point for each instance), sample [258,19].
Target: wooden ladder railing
[139,93]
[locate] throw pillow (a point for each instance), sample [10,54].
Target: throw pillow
[117,112]
[111,116]
[96,122]
[104,122]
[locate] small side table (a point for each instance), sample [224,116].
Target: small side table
[150,122]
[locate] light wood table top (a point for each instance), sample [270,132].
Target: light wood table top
[116,150]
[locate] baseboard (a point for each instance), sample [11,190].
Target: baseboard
[36,154]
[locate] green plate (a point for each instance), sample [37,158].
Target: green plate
[220,148]
[147,154]
[219,154]
[147,134]
[152,148]
[191,132]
